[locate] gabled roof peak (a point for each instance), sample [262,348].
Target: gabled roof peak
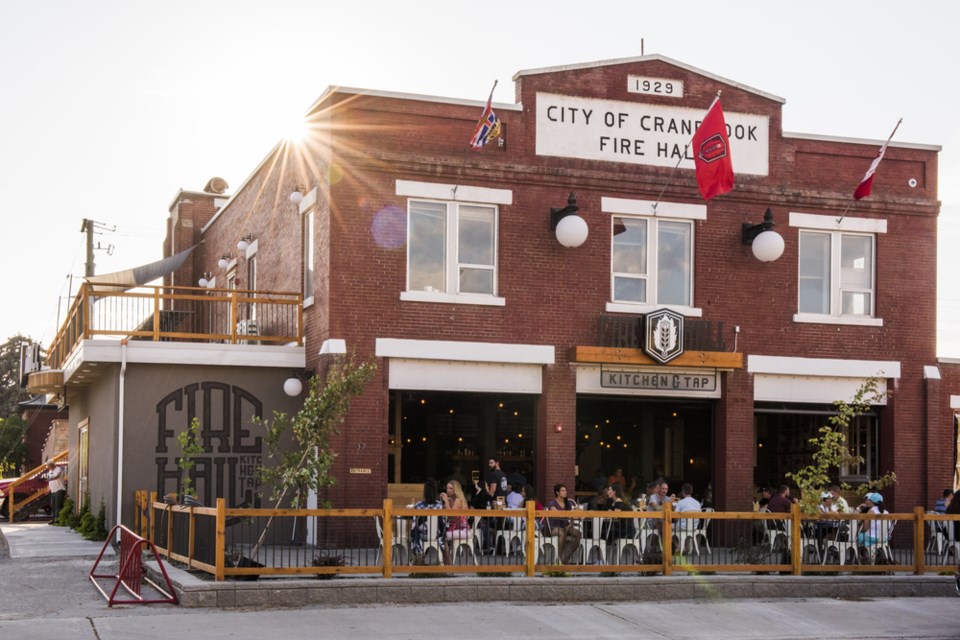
[656,57]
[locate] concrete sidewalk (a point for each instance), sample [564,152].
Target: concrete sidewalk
[40,540]
[46,544]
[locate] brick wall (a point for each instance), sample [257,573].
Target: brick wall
[554,294]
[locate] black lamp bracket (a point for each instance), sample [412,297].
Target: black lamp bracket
[556,215]
[751,231]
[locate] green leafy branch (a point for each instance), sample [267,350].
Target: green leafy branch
[307,464]
[830,450]
[190,446]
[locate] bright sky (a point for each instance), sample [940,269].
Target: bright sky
[109,108]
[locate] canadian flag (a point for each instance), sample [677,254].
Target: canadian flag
[863,189]
[711,149]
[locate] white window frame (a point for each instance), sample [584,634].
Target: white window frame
[452,196]
[308,221]
[672,212]
[837,228]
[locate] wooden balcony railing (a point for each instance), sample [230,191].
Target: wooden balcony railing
[181,314]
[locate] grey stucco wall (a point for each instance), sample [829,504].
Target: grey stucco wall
[159,402]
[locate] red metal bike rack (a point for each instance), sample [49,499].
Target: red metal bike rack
[131,573]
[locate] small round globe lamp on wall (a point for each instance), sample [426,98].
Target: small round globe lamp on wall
[571,230]
[767,245]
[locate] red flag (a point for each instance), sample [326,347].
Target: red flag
[711,149]
[863,189]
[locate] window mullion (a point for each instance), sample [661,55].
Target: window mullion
[653,261]
[835,292]
[452,257]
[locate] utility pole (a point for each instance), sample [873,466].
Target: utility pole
[89,226]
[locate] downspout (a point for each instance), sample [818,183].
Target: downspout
[123,374]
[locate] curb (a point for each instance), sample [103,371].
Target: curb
[4,547]
[293,592]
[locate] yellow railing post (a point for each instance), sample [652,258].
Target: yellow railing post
[388,538]
[86,312]
[169,530]
[221,537]
[667,539]
[530,544]
[919,526]
[150,519]
[156,314]
[190,538]
[795,555]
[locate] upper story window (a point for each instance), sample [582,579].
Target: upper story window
[308,255]
[452,248]
[837,269]
[836,273]
[452,244]
[652,261]
[651,255]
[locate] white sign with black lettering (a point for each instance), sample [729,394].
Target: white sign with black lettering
[638,133]
[659,379]
[655,86]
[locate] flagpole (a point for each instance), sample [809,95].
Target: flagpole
[679,160]
[463,163]
[884,149]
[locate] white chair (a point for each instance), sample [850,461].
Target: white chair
[700,534]
[468,544]
[648,534]
[684,532]
[429,541]
[633,543]
[594,543]
[882,547]
[511,537]
[842,547]
[545,547]
[937,540]
[809,543]
[952,542]
[401,540]
[778,534]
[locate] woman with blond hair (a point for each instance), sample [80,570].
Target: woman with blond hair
[457,526]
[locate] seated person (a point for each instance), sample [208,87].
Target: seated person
[687,504]
[514,498]
[568,535]
[419,531]
[617,527]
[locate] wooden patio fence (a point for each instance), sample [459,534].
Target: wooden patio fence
[378,542]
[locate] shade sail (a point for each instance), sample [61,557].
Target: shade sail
[130,278]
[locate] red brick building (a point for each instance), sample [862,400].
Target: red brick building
[492,338]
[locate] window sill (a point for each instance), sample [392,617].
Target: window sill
[308,302]
[633,307]
[818,318]
[450,298]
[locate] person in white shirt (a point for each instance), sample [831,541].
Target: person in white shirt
[56,482]
[515,498]
[839,502]
[685,504]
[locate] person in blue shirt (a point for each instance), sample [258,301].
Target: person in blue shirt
[940,506]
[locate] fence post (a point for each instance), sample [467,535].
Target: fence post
[153,498]
[221,539]
[919,525]
[530,545]
[667,539]
[388,538]
[795,549]
[191,533]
